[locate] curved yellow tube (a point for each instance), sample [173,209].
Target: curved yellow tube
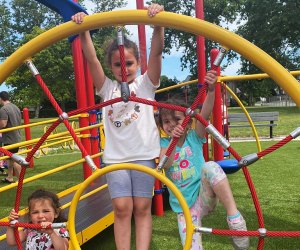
[167,19]
[252,77]
[247,115]
[153,172]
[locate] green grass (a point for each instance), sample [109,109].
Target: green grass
[39,130]
[276,179]
[289,119]
[56,182]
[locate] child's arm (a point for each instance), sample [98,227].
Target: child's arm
[177,132]
[169,162]
[90,54]
[10,237]
[58,242]
[208,105]
[157,45]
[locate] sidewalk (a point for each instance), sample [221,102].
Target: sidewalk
[248,139]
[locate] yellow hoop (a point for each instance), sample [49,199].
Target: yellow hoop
[167,19]
[154,173]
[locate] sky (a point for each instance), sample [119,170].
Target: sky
[171,63]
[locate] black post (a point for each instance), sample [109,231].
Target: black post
[271,129]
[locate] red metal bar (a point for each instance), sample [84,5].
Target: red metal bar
[199,8]
[94,140]
[158,198]
[158,206]
[60,112]
[81,98]
[218,152]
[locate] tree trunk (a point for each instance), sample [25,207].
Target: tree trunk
[37,110]
[251,100]
[63,106]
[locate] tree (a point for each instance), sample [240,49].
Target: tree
[22,21]
[55,67]
[217,12]
[5,30]
[19,18]
[274,30]
[167,82]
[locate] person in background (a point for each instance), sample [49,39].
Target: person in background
[10,116]
[2,168]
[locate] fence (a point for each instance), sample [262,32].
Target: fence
[279,101]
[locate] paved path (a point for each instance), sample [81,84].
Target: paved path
[247,139]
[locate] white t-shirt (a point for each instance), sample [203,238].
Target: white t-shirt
[130,130]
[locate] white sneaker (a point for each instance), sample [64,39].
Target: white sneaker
[239,224]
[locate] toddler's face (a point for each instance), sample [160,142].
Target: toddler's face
[131,64]
[170,121]
[41,210]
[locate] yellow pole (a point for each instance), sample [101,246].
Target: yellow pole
[247,115]
[225,79]
[33,124]
[251,77]
[20,144]
[44,174]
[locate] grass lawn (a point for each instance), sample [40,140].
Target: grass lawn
[56,182]
[289,119]
[276,179]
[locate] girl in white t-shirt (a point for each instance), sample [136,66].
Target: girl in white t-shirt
[130,130]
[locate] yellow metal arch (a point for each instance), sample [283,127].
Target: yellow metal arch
[153,172]
[167,19]
[246,114]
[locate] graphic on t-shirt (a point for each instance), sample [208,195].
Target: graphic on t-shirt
[182,169]
[123,114]
[36,240]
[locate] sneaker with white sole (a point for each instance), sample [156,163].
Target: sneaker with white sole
[239,224]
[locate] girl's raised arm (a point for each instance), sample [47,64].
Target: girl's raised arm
[90,54]
[157,45]
[208,105]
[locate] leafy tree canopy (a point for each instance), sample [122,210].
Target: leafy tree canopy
[271,25]
[22,20]
[275,30]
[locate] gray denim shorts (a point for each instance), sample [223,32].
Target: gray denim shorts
[124,183]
